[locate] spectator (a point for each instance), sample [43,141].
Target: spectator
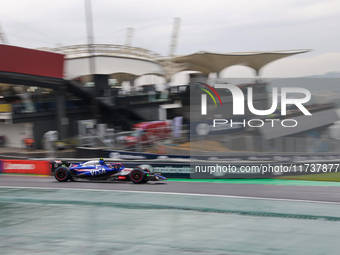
[29,142]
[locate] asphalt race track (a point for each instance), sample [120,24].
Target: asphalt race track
[293,192]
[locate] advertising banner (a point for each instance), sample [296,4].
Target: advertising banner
[170,170]
[25,167]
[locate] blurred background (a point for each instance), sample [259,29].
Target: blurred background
[122,80]
[124,69]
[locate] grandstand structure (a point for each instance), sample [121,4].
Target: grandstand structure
[52,103]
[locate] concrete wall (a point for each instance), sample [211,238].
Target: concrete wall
[41,127]
[14,133]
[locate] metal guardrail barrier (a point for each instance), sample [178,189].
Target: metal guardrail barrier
[136,140]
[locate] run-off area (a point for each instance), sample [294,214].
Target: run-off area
[104,222]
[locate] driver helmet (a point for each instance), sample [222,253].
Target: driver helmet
[101,161]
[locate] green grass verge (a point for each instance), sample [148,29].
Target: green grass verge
[263,181]
[326,177]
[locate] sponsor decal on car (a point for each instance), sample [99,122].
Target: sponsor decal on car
[98,172]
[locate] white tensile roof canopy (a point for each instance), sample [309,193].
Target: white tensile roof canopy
[210,62]
[112,59]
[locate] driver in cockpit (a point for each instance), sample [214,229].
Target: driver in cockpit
[101,161]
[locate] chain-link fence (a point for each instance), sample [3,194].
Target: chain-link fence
[176,138]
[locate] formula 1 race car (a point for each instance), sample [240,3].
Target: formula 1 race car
[99,170]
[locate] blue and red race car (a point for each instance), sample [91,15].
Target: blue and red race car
[99,170]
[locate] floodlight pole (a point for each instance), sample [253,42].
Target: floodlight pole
[129,35]
[90,42]
[173,43]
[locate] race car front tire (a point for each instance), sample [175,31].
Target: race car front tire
[137,176]
[146,171]
[61,174]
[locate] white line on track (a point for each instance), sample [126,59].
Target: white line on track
[180,194]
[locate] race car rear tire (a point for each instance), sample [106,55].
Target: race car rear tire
[61,174]
[137,176]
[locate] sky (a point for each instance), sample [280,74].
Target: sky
[214,25]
